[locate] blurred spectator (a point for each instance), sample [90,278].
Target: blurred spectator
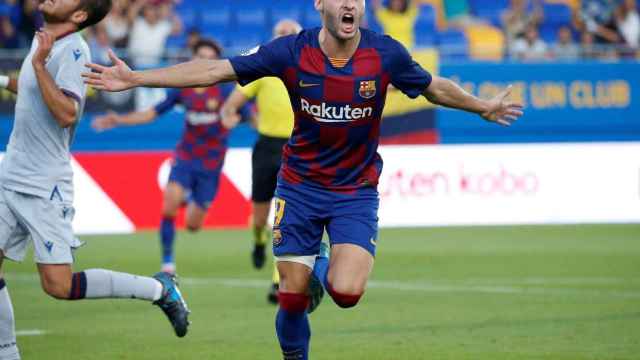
[193,37]
[99,44]
[458,15]
[628,23]
[565,48]
[150,31]
[398,19]
[8,34]
[12,9]
[518,17]
[531,47]
[116,24]
[596,17]
[30,19]
[588,47]
[455,9]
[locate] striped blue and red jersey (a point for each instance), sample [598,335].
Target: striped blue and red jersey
[204,140]
[338,107]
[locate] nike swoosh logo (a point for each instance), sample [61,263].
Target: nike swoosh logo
[374,243]
[304,85]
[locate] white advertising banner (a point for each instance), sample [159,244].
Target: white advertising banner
[510,184]
[435,185]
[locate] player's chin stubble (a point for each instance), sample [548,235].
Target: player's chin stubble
[332,26]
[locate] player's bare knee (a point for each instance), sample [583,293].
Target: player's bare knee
[57,288]
[292,284]
[346,295]
[292,294]
[293,281]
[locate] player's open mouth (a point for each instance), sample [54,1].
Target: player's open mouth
[348,22]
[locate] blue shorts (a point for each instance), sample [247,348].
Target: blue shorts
[304,212]
[201,185]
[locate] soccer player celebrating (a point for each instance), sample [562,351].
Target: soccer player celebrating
[199,155]
[337,77]
[275,123]
[36,178]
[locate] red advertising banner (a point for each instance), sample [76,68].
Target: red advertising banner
[135,182]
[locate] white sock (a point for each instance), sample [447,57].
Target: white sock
[8,346]
[102,284]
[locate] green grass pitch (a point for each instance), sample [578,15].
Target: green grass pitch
[548,292]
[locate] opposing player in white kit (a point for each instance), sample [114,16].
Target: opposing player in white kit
[36,190]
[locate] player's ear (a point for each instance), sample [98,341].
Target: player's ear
[79,17]
[319,5]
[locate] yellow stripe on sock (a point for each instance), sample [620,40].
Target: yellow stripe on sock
[276,275]
[260,235]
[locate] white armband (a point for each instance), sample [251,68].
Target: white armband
[4,82]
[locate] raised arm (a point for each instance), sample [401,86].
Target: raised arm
[500,110]
[195,73]
[134,10]
[231,109]
[63,106]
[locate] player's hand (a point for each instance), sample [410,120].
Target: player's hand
[118,77]
[45,43]
[230,121]
[501,110]
[105,122]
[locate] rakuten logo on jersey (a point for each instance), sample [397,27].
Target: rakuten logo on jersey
[332,114]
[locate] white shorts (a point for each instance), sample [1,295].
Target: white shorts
[47,223]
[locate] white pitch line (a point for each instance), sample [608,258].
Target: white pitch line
[32,332]
[523,286]
[549,281]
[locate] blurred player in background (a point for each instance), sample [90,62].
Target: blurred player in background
[36,177]
[337,77]
[275,123]
[199,156]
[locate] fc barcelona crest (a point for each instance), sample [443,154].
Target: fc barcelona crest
[367,89]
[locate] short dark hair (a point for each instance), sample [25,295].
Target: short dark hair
[210,43]
[96,11]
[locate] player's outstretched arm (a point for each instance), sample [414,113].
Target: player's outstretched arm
[112,119]
[231,109]
[499,110]
[195,73]
[9,83]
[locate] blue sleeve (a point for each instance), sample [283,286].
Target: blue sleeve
[268,60]
[173,98]
[406,74]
